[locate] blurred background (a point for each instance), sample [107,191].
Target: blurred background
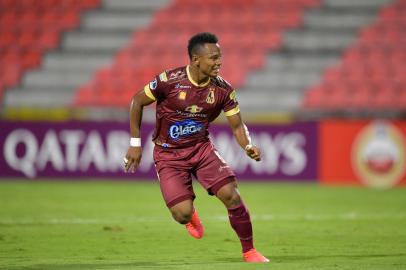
[321,84]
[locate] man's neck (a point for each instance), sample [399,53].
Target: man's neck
[197,77]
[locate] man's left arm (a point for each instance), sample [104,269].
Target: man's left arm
[242,136]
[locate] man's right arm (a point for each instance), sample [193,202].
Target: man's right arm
[134,153]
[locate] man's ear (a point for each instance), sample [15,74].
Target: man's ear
[195,60]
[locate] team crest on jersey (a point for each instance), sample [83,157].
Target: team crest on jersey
[182,95]
[210,97]
[194,109]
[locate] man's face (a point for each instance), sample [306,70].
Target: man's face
[209,59]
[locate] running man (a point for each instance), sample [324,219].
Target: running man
[188,99]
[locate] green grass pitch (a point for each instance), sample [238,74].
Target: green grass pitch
[125,225]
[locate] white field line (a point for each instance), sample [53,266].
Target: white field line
[352,216]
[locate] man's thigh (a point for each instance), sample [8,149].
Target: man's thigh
[213,171]
[175,182]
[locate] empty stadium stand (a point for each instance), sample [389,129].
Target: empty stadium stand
[282,55]
[370,74]
[248,30]
[306,52]
[81,50]
[29,29]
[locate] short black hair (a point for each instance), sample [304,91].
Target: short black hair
[198,40]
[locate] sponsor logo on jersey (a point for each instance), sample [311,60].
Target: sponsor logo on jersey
[184,129]
[378,156]
[178,85]
[153,84]
[194,109]
[174,75]
[210,97]
[189,114]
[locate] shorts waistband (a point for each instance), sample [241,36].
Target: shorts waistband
[172,146]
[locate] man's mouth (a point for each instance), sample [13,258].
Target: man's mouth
[216,69]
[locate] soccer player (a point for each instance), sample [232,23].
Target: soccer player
[188,99]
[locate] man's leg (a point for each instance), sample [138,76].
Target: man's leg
[181,206]
[238,214]
[240,221]
[176,186]
[177,190]
[184,213]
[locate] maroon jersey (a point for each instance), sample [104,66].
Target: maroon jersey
[185,109]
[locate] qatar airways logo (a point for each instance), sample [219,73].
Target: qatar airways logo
[184,128]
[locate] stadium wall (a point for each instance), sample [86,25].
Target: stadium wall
[370,153]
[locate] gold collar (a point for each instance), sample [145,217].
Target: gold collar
[193,81]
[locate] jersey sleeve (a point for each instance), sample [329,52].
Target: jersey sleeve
[231,106]
[158,87]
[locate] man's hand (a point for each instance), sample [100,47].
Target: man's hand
[132,159]
[253,152]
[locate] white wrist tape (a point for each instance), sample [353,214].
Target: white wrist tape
[248,147]
[135,142]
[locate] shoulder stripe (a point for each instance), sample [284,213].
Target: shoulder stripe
[148,92]
[232,111]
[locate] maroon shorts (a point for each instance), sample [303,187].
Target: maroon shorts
[175,168]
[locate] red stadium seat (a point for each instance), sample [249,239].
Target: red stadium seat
[10,76]
[7,39]
[26,39]
[48,39]
[400,100]
[84,96]
[31,59]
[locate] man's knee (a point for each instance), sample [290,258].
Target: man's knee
[182,212]
[229,195]
[181,216]
[233,199]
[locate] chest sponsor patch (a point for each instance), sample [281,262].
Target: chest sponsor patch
[184,128]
